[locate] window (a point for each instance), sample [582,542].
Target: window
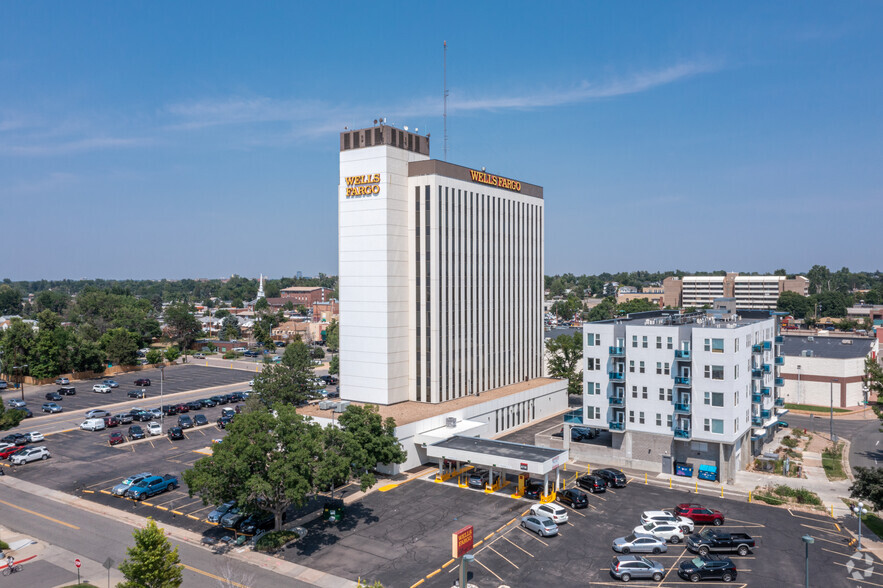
[632,365]
[717,345]
[717,372]
[641,418]
[644,392]
[634,391]
[707,371]
[597,388]
[708,345]
[736,343]
[658,342]
[707,425]
[670,343]
[644,341]
[662,393]
[668,421]
[658,420]
[590,339]
[597,412]
[736,424]
[634,340]
[659,368]
[590,364]
[717,426]
[736,398]
[631,416]
[667,369]
[714,398]
[736,371]
[641,367]
[668,394]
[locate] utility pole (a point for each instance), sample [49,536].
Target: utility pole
[445,115]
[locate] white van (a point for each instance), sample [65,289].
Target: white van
[92,425]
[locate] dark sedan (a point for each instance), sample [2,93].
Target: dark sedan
[613,477]
[533,490]
[142,382]
[220,399]
[200,420]
[194,405]
[176,433]
[54,396]
[207,402]
[136,393]
[573,498]
[257,522]
[223,422]
[16,439]
[592,483]
[185,422]
[169,410]
[136,432]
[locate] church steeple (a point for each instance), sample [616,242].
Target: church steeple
[261,289]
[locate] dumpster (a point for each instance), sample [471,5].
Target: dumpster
[707,472]
[684,469]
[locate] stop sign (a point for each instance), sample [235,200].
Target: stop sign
[77,562]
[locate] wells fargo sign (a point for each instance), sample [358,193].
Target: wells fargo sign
[362,186]
[461,542]
[492,180]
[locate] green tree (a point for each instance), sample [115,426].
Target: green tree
[565,354]
[49,355]
[230,330]
[236,303]
[868,486]
[261,304]
[874,378]
[10,300]
[832,304]
[183,326]
[794,304]
[602,311]
[271,289]
[154,356]
[332,336]
[289,305]
[636,305]
[302,310]
[266,462]
[819,278]
[151,562]
[86,356]
[222,313]
[54,300]
[373,442]
[334,365]
[290,380]
[120,346]
[16,344]
[317,352]
[172,353]
[10,418]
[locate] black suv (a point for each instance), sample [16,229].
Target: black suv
[135,394]
[710,567]
[592,483]
[220,399]
[614,478]
[533,490]
[185,422]
[223,422]
[169,410]
[53,396]
[176,433]
[136,432]
[67,391]
[573,498]
[194,405]
[207,402]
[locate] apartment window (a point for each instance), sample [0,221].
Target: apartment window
[634,391]
[717,426]
[658,420]
[644,341]
[644,392]
[717,372]
[590,339]
[735,424]
[631,416]
[659,368]
[714,398]
[662,393]
[736,343]
[736,398]
[708,345]
[641,367]
[668,394]
[670,343]
[717,345]
[666,369]
[641,418]
[597,388]
[658,342]
[668,421]
[634,340]
[590,364]
[632,365]
[736,371]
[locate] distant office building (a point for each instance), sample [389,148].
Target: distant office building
[824,369]
[305,295]
[750,292]
[672,388]
[654,294]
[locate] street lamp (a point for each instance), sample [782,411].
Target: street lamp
[162,374]
[859,510]
[798,384]
[807,540]
[833,439]
[21,370]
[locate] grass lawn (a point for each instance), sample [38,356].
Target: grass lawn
[813,408]
[874,523]
[832,461]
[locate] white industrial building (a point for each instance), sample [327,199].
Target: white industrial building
[823,370]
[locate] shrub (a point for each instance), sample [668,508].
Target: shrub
[795,432]
[805,496]
[783,490]
[275,540]
[4,545]
[230,355]
[790,442]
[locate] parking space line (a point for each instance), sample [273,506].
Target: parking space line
[214,577]
[864,581]
[191,504]
[418,583]
[821,529]
[102,483]
[829,541]
[517,546]
[863,572]
[504,557]
[532,537]
[488,569]
[190,516]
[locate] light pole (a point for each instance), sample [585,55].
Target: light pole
[21,370]
[798,384]
[807,540]
[162,414]
[859,510]
[832,409]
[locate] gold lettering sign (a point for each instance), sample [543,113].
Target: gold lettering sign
[362,186]
[492,180]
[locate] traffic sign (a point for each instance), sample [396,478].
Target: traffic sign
[77,562]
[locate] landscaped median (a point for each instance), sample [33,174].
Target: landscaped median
[832,461]
[782,495]
[814,408]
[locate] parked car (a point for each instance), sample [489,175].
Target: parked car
[582,433]
[639,543]
[142,382]
[712,567]
[228,412]
[223,422]
[169,410]
[207,402]
[137,393]
[219,399]
[194,405]
[155,413]
[67,391]
[667,516]
[62,381]
[18,439]
[533,490]
[51,407]
[262,521]
[110,421]
[543,526]
[573,498]
[154,428]
[116,438]
[176,433]
[9,450]
[101,389]
[182,408]
[111,383]
[136,432]
[16,403]
[215,515]
[232,518]
[553,511]
[185,422]
[198,356]
[120,489]
[709,541]
[200,420]
[4,385]
[592,483]
[140,415]
[237,396]
[151,486]
[96,413]
[124,418]
[93,425]
[54,396]
[478,479]
[700,514]
[30,454]
[34,436]
[626,567]
[613,478]
[667,531]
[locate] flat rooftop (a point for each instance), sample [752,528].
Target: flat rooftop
[411,411]
[668,318]
[827,346]
[499,448]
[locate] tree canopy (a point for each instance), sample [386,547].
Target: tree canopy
[868,486]
[565,354]
[290,380]
[182,325]
[152,562]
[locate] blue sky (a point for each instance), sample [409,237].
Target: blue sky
[200,139]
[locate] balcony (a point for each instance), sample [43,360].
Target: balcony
[780,360]
[767,345]
[682,381]
[574,417]
[682,354]
[767,368]
[682,433]
[756,374]
[682,407]
[616,425]
[765,413]
[756,421]
[780,339]
[616,400]
[756,398]
[615,376]
[617,351]
[765,391]
[780,402]
[780,382]
[757,348]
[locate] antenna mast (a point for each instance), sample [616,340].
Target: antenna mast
[445,116]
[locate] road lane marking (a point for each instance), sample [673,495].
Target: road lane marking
[224,581]
[418,583]
[438,571]
[40,515]
[450,561]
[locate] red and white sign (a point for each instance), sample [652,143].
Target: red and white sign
[77,562]
[461,541]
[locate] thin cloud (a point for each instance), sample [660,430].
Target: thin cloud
[70,146]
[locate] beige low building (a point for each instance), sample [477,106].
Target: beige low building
[750,292]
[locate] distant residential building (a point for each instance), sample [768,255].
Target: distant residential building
[654,294]
[820,369]
[750,292]
[6,322]
[305,295]
[325,311]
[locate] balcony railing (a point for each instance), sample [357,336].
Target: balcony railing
[615,376]
[757,398]
[682,407]
[682,381]
[780,402]
[780,339]
[765,413]
[617,351]
[765,391]
[767,368]
[757,348]
[682,354]
[574,417]
[780,360]
[767,344]
[756,373]
[780,382]
[756,421]
[616,425]
[616,400]
[682,433]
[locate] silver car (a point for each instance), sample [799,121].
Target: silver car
[215,515]
[639,544]
[120,489]
[626,567]
[543,526]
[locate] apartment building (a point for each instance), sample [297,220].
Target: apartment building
[702,388]
[750,292]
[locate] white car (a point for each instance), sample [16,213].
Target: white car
[553,511]
[154,428]
[34,436]
[668,531]
[30,454]
[101,388]
[62,381]
[251,383]
[666,516]
[93,425]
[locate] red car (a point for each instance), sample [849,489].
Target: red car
[110,421]
[700,514]
[182,408]
[142,382]
[5,453]
[116,438]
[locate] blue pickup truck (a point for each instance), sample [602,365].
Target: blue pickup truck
[152,486]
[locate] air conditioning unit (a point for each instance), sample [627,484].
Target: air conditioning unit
[326,405]
[451,422]
[340,406]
